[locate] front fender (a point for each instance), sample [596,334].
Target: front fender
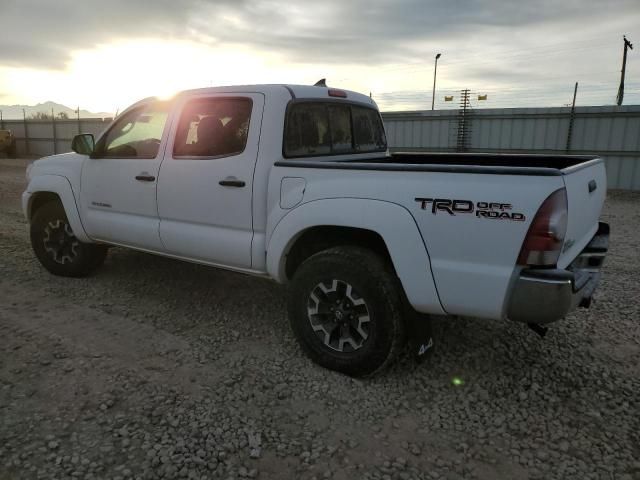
[392,222]
[61,187]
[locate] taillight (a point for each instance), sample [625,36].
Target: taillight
[334,92]
[543,243]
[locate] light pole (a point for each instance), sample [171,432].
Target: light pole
[435,71]
[627,44]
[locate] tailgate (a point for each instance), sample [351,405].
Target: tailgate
[586,186]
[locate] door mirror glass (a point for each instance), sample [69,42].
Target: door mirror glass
[83,144]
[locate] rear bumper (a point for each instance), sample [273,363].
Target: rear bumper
[542,296]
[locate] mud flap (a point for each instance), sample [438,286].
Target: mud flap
[420,336]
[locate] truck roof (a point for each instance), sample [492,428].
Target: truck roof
[290,91]
[296,91]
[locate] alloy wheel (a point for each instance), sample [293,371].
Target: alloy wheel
[338,315]
[60,242]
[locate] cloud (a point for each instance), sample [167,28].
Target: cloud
[43,34]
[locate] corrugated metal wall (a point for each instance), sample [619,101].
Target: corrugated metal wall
[36,137]
[611,132]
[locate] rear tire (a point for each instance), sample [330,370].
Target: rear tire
[56,246]
[345,309]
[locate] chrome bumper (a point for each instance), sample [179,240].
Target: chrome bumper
[542,296]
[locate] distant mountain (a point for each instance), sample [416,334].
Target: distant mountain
[10,112]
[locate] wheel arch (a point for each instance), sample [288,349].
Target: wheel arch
[38,199]
[47,188]
[385,227]
[322,237]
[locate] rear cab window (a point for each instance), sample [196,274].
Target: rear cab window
[318,128]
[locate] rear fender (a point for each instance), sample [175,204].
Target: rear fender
[62,188]
[391,221]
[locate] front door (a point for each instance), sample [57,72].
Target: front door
[206,179]
[118,184]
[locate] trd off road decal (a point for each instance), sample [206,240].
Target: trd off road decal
[493,210]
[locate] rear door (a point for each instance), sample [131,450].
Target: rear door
[586,190]
[118,183]
[206,179]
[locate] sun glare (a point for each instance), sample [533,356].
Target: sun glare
[112,76]
[126,72]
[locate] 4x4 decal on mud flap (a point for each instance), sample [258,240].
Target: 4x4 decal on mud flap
[493,210]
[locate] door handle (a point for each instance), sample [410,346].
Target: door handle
[145,178]
[232,182]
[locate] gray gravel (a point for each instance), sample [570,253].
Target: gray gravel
[158,369]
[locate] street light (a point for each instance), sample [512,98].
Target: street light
[435,70]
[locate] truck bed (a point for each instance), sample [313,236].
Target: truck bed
[488,163]
[466,253]
[557,162]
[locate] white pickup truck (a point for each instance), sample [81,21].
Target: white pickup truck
[296,183]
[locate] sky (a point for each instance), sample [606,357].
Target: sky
[104,55]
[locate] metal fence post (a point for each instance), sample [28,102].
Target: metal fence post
[55,134]
[26,133]
[572,116]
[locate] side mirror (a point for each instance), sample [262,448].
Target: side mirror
[83,144]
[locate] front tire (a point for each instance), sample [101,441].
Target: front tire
[56,246]
[345,309]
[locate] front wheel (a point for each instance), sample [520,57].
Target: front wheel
[345,309]
[56,246]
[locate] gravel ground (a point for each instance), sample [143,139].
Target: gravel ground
[154,368]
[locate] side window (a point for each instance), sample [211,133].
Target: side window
[136,134]
[213,127]
[332,128]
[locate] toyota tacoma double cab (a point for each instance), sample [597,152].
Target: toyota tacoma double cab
[296,183]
